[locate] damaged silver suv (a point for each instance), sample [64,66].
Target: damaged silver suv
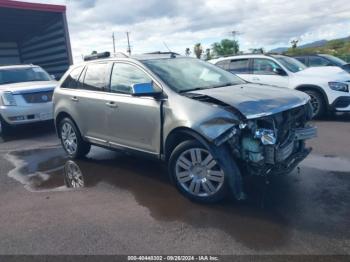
[209,126]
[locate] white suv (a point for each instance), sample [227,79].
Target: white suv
[328,86]
[25,95]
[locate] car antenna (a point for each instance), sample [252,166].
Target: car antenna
[172,54]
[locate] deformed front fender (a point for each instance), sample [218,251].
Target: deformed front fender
[218,130]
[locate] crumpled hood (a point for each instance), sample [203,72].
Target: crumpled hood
[331,73]
[25,87]
[254,100]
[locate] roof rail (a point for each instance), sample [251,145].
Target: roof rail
[162,53]
[120,54]
[97,56]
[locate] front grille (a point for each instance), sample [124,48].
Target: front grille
[39,97]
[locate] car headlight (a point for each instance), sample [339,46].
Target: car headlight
[337,86]
[8,99]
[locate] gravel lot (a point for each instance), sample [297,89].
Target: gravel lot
[129,207]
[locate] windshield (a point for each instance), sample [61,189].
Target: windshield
[186,74]
[18,75]
[290,63]
[335,60]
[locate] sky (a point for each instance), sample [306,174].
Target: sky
[155,25]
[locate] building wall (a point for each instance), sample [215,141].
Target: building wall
[9,53]
[48,49]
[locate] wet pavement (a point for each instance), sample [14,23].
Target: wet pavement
[110,203]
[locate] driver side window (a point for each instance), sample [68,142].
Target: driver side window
[318,61]
[263,66]
[124,76]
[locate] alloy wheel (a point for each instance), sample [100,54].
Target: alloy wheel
[315,104]
[198,172]
[69,138]
[73,175]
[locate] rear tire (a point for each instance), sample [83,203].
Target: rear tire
[318,103]
[71,139]
[202,173]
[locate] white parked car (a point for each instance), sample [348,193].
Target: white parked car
[25,95]
[327,86]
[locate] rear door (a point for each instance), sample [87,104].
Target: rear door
[265,71]
[238,67]
[91,102]
[241,67]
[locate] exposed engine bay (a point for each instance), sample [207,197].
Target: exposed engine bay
[274,144]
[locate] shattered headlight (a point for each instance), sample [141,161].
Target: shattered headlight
[338,86]
[266,136]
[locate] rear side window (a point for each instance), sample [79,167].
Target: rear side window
[239,66]
[224,64]
[95,77]
[301,59]
[124,76]
[72,80]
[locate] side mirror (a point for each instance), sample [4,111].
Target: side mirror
[53,77]
[145,89]
[279,71]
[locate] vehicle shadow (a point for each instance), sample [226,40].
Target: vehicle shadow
[313,201]
[337,117]
[28,131]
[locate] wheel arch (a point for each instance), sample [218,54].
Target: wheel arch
[179,135]
[314,88]
[61,115]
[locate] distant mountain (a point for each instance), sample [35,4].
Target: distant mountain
[315,44]
[278,50]
[318,43]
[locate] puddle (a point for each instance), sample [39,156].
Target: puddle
[317,200]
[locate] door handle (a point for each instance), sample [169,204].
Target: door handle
[256,79]
[111,104]
[74,98]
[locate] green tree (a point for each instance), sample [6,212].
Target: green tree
[198,50]
[226,47]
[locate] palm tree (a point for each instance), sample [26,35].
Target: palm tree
[198,50]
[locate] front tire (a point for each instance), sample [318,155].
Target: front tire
[4,127]
[71,139]
[200,173]
[318,103]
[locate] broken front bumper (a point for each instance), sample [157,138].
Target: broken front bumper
[278,153]
[283,157]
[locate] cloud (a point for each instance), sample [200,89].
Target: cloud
[180,23]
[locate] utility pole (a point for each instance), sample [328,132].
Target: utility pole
[113,42]
[234,34]
[129,49]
